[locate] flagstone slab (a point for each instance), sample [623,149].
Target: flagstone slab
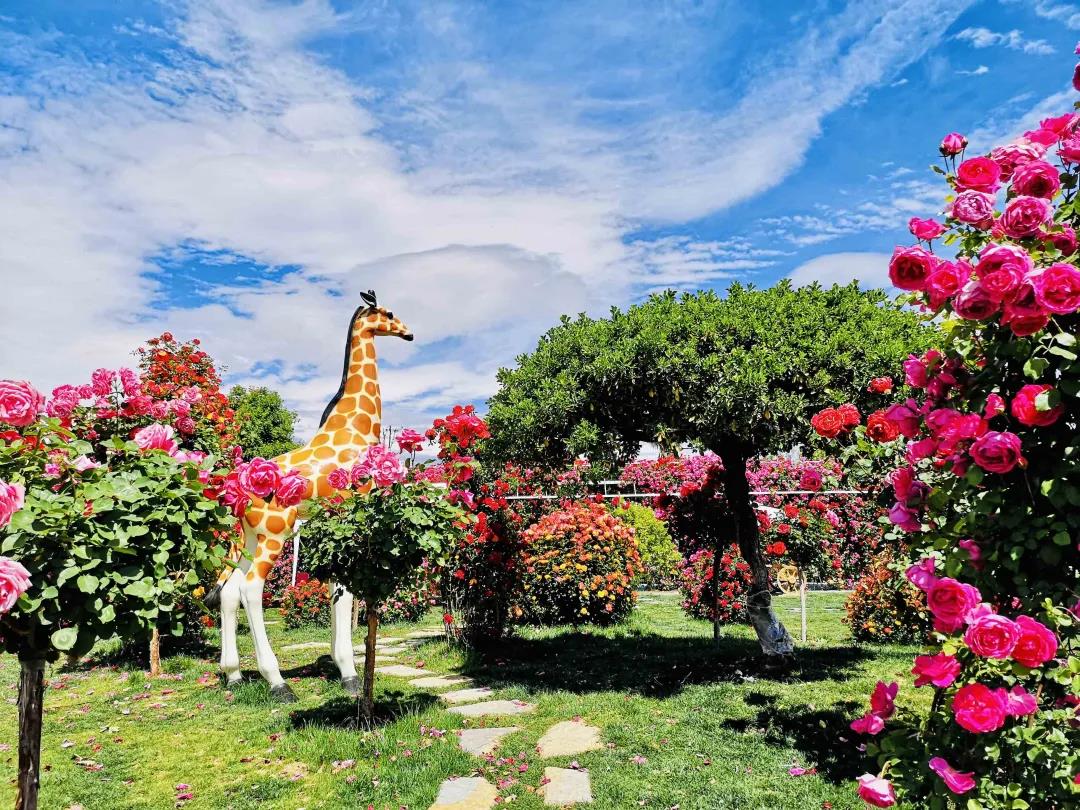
[402,671]
[569,738]
[493,707]
[441,682]
[465,793]
[379,659]
[426,634]
[309,645]
[566,786]
[481,741]
[466,695]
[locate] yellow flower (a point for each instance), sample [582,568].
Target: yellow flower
[584,611]
[199,592]
[601,594]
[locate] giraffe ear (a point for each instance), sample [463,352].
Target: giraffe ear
[369,298]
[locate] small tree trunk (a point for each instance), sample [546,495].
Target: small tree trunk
[31,699]
[716,595]
[802,602]
[772,635]
[355,613]
[155,653]
[368,700]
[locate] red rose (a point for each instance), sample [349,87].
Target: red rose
[850,414]
[881,429]
[979,174]
[880,385]
[828,423]
[1023,407]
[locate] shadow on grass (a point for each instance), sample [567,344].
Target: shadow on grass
[344,712]
[646,664]
[822,735]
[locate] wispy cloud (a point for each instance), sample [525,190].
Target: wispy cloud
[980,37]
[981,70]
[1064,13]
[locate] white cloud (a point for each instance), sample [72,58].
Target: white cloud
[980,37]
[1064,13]
[871,270]
[981,70]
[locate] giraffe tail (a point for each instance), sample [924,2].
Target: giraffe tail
[213,598]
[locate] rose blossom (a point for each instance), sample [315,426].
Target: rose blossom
[992,636]
[921,574]
[409,441]
[940,670]
[869,723]
[876,791]
[1037,643]
[995,406]
[904,517]
[997,452]
[14,582]
[185,425]
[1036,179]
[978,174]
[925,230]
[234,495]
[156,437]
[810,479]
[828,423]
[880,385]
[952,144]
[946,280]
[1019,702]
[1069,149]
[910,267]
[1023,314]
[974,303]
[259,476]
[339,478]
[1015,155]
[905,415]
[973,208]
[11,501]
[84,463]
[159,409]
[1024,216]
[954,780]
[907,487]
[20,402]
[382,465]
[972,548]
[291,489]
[950,602]
[1057,288]
[881,429]
[1025,410]
[850,414]
[980,709]
[883,699]
[915,371]
[102,381]
[1001,268]
[1064,240]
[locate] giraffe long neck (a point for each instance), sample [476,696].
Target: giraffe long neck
[354,419]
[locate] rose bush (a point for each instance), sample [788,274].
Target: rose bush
[885,607]
[716,593]
[306,604]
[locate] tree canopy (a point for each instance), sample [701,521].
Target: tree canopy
[265,425]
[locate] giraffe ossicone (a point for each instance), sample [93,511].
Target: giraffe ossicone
[351,422]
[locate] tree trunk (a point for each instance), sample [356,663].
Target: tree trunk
[716,594]
[772,635]
[31,698]
[368,700]
[355,613]
[155,653]
[802,603]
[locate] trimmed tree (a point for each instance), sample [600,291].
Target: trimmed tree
[264,425]
[739,375]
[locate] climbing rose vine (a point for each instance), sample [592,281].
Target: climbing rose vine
[987,491]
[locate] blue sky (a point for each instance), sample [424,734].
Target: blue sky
[239,170]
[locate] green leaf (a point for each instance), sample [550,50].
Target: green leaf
[140,589]
[64,638]
[87,583]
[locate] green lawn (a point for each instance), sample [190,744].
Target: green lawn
[713,730]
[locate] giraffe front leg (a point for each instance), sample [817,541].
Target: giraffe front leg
[251,594]
[341,647]
[230,604]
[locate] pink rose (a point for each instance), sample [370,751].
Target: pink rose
[906,417]
[291,489]
[409,441]
[992,636]
[11,501]
[1014,155]
[1060,125]
[974,303]
[382,465]
[953,144]
[1037,643]
[995,406]
[259,476]
[185,425]
[1025,410]
[1023,314]
[940,670]
[869,723]
[925,230]
[1001,268]
[954,780]
[972,548]
[159,409]
[979,709]
[997,451]
[1057,288]
[129,382]
[907,487]
[1024,216]
[191,394]
[810,479]
[921,574]
[978,174]
[339,478]
[973,208]
[904,517]
[20,402]
[102,382]
[915,371]
[1019,702]
[876,791]
[883,699]
[950,601]
[946,281]
[156,437]
[1036,179]
[233,495]
[84,463]
[1069,149]
[14,582]
[1064,240]
[910,267]
[180,407]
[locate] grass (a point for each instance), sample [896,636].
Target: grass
[713,729]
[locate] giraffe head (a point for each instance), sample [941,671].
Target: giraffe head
[375,320]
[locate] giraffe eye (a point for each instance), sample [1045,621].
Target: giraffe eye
[390,315]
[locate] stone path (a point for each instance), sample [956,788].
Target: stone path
[482,741]
[466,695]
[569,738]
[441,682]
[402,671]
[465,793]
[493,707]
[566,786]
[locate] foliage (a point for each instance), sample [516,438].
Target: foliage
[264,426]
[412,599]
[987,493]
[659,555]
[885,607]
[306,604]
[578,566]
[700,598]
[280,577]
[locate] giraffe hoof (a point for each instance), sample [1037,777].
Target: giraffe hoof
[283,694]
[351,686]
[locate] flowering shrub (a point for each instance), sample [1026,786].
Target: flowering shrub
[886,607]
[577,567]
[659,554]
[412,599]
[279,578]
[697,584]
[987,493]
[306,604]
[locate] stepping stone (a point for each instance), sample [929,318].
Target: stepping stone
[440,682]
[426,634]
[566,786]
[466,695]
[481,741]
[309,645]
[402,671]
[493,707]
[569,738]
[465,793]
[378,658]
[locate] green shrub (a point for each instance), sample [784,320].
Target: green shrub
[306,604]
[659,554]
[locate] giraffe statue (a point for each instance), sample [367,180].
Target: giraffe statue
[351,422]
